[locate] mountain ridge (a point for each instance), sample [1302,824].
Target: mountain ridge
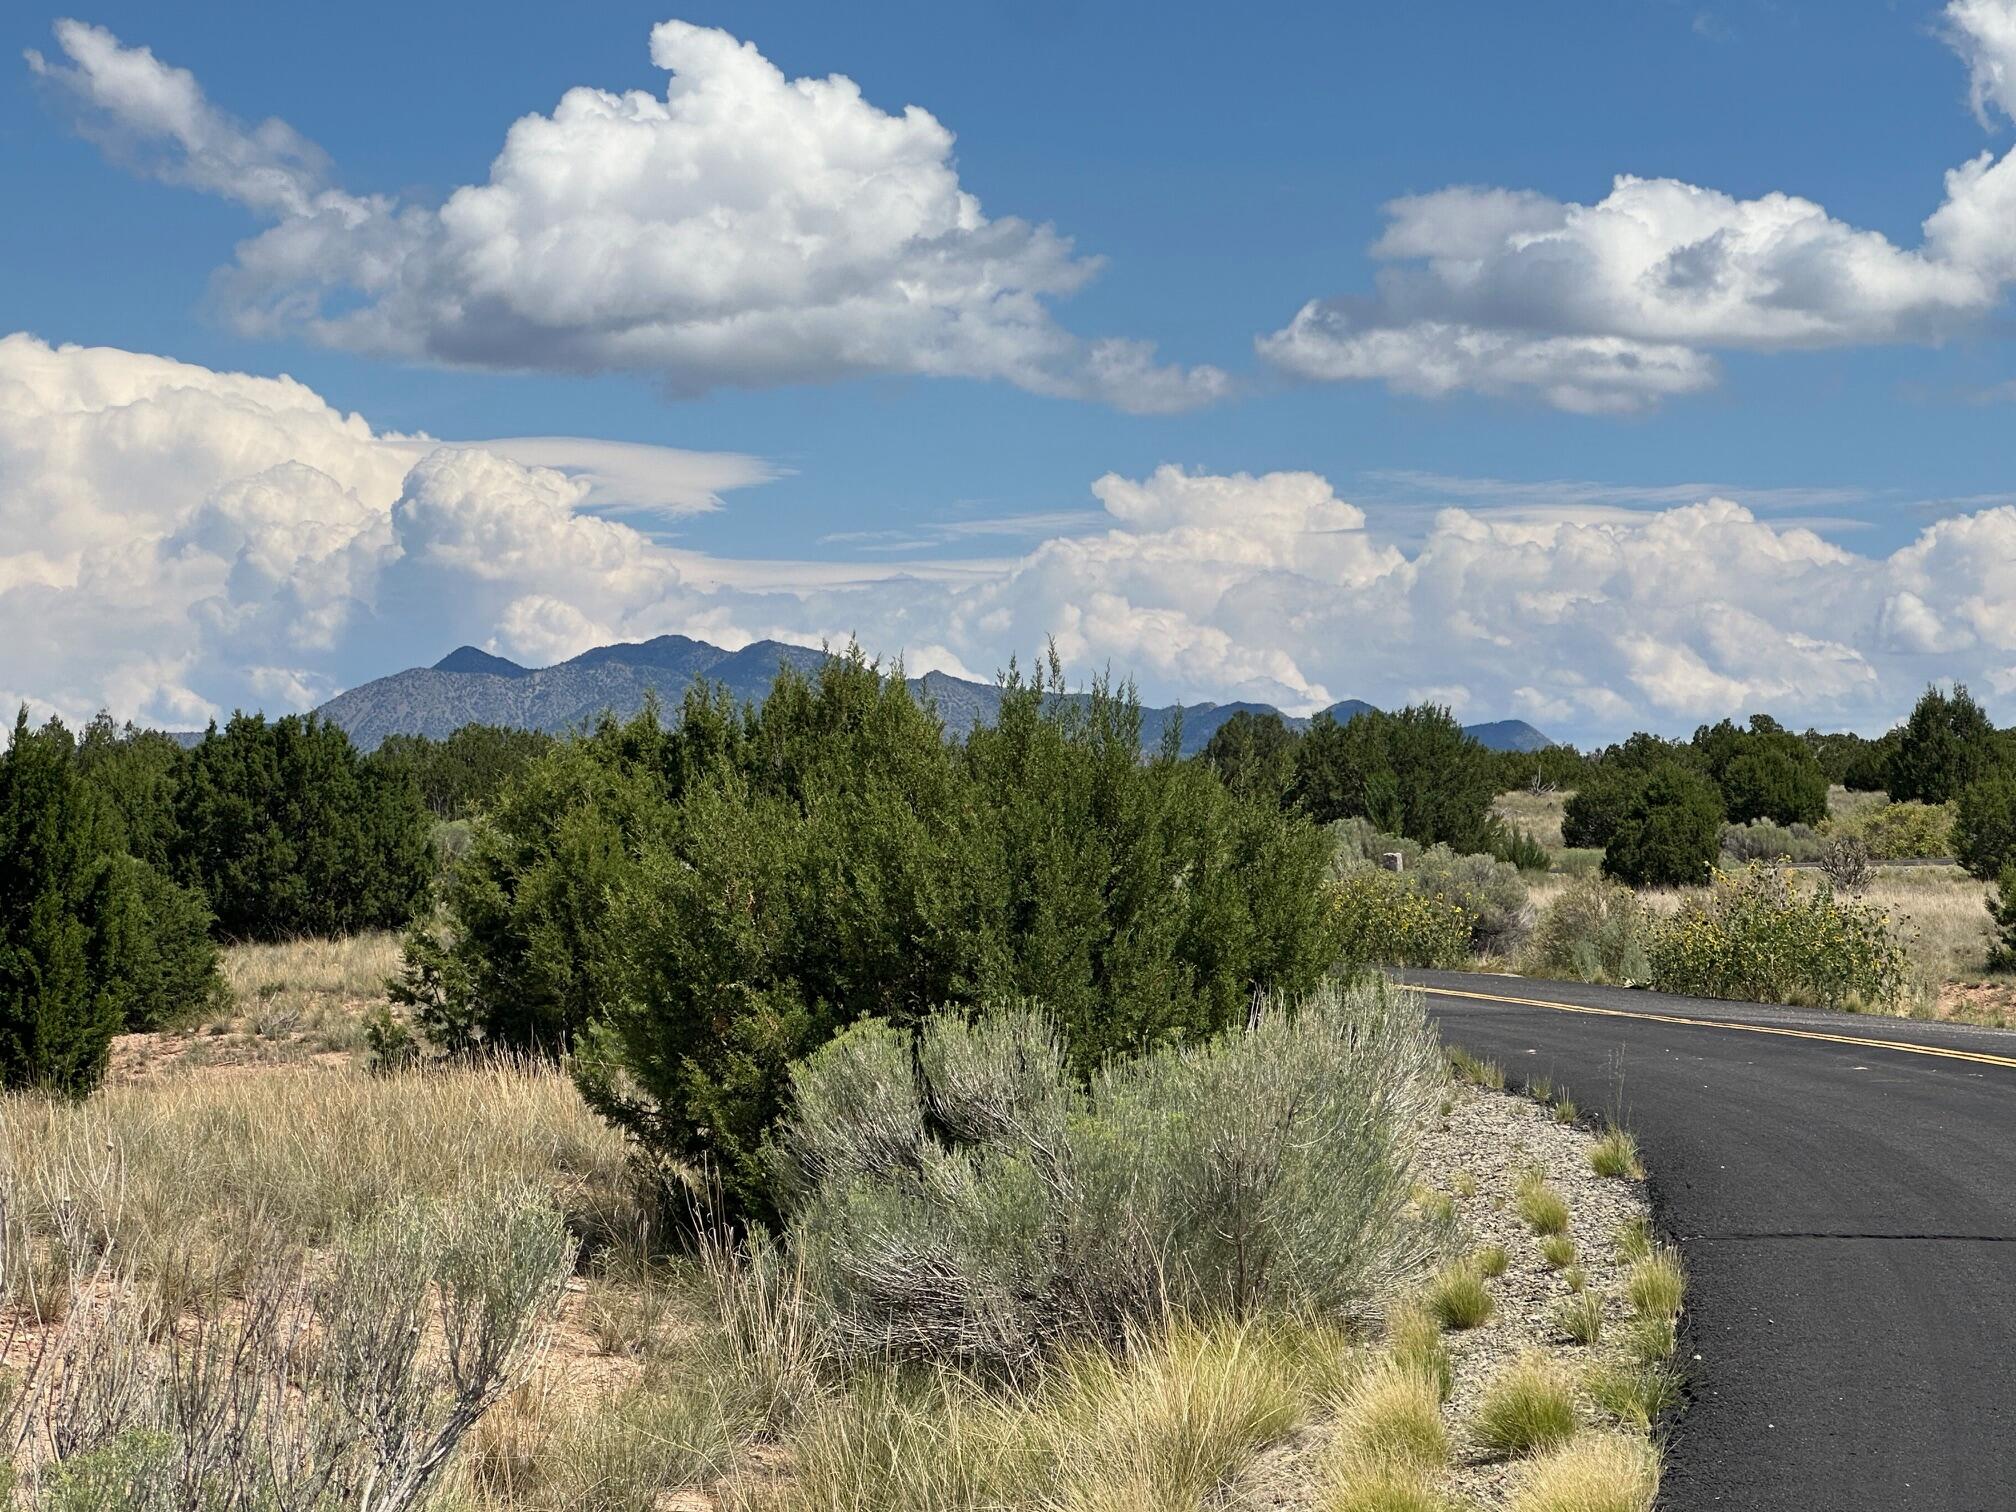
[470,685]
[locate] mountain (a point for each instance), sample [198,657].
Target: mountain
[473,686]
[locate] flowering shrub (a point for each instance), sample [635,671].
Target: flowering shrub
[1489,890]
[1760,936]
[1383,921]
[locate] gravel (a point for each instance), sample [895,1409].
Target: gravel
[1494,1139]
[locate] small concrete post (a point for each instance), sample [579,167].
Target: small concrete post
[1394,860]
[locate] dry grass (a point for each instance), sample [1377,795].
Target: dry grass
[1539,814]
[1616,1155]
[300,1002]
[1543,1209]
[1458,1298]
[1598,1472]
[188,1177]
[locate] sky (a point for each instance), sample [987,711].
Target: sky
[1616,364]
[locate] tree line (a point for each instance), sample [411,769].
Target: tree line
[689,903]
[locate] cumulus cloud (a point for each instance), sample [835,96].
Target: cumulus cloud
[175,542]
[1616,305]
[744,229]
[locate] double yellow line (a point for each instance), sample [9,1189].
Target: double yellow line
[1900,1046]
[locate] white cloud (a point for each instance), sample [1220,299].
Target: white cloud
[165,528]
[746,229]
[174,542]
[1619,304]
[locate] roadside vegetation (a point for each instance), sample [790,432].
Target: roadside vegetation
[785,1108]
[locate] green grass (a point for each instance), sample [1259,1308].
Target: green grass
[1557,1251]
[1616,1155]
[1580,1317]
[1636,1395]
[1633,1240]
[1458,1298]
[1529,1406]
[1414,1342]
[1543,1209]
[1491,1261]
[1466,1067]
[1655,1285]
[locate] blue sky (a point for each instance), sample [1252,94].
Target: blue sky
[1225,172]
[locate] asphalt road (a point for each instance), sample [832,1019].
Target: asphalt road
[1847,1215]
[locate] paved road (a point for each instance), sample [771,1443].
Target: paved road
[1847,1213]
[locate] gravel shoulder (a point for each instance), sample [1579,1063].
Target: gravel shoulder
[1494,1139]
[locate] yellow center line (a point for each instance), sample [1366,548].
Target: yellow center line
[1901,1046]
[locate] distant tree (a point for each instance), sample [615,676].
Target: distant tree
[135,773]
[1670,832]
[1546,770]
[289,832]
[2002,909]
[1253,755]
[1592,814]
[1413,773]
[1984,824]
[1764,771]
[1867,769]
[461,775]
[151,945]
[57,1015]
[1778,780]
[1947,743]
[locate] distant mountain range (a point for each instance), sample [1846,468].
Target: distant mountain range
[471,686]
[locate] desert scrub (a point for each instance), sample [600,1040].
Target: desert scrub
[1490,892]
[345,1380]
[1530,1405]
[1909,831]
[963,1197]
[1595,930]
[1382,921]
[1616,1155]
[1596,1472]
[1759,935]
